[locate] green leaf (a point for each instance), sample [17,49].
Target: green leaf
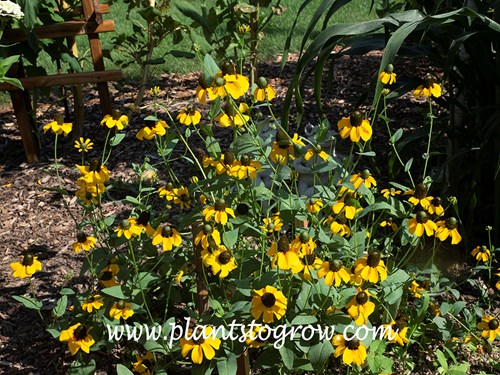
[318,355]
[117,139]
[114,291]
[109,220]
[60,307]
[67,292]
[189,10]
[13,81]
[378,206]
[144,279]
[441,359]
[29,302]
[228,365]
[79,368]
[230,238]
[210,68]
[304,320]
[30,10]
[408,165]
[122,370]
[154,346]
[54,332]
[396,136]
[287,355]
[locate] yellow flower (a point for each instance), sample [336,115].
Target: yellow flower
[89,193]
[284,257]
[448,228]
[355,127]
[95,173]
[84,145]
[419,196]
[243,29]
[315,151]
[77,338]
[334,273]
[371,267]
[107,277]
[143,363]
[219,211]
[387,76]
[268,303]
[202,89]
[283,147]
[155,91]
[310,262]
[143,222]
[435,207]
[189,116]
[348,206]
[208,236]
[420,224]
[26,267]
[167,237]
[314,205]
[128,228]
[415,289]
[263,91]
[115,120]
[428,88]
[156,128]
[199,347]
[303,244]
[93,302]
[253,339]
[482,253]
[233,84]
[167,192]
[360,307]
[390,192]
[232,116]
[434,309]
[181,197]
[339,225]
[365,178]
[397,329]
[272,224]
[83,242]
[352,351]
[490,326]
[389,223]
[121,309]
[245,167]
[58,126]
[221,260]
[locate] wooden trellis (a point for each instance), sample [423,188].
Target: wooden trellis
[91,25]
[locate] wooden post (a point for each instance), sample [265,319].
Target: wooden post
[21,102]
[91,11]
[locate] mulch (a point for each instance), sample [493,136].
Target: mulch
[34,219]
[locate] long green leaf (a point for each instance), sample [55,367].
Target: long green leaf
[190,11]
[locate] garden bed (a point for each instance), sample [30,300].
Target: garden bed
[33,218]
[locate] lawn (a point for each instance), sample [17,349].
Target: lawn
[275,33]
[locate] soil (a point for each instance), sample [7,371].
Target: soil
[33,217]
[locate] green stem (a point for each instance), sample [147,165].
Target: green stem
[427,156]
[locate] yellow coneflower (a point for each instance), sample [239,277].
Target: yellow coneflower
[268,303]
[355,127]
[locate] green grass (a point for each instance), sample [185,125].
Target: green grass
[273,43]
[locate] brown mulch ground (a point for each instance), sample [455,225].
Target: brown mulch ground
[34,219]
